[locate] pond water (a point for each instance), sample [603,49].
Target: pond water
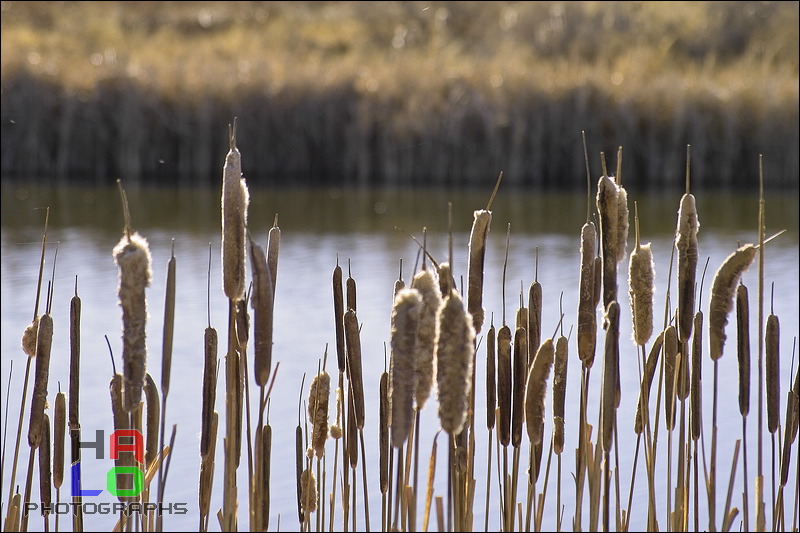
[366,229]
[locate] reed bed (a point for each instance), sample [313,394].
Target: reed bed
[434,333]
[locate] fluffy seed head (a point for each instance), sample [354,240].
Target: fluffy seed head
[405,322]
[587,315]
[477,252]
[318,411]
[536,391]
[29,338]
[722,291]
[427,285]
[686,243]
[641,273]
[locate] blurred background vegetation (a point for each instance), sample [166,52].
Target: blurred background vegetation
[400,93]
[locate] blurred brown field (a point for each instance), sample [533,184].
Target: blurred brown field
[400,93]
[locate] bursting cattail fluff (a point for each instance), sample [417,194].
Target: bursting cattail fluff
[622,222]
[587,316]
[640,282]
[308,491]
[686,243]
[44,341]
[405,321]
[235,199]
[262,314]
[477,252]
[559,393]
[132,256]
[504,385]
[445,279]
[425,282]
[609,236]
[722,292]
[336,431]
[29,338]
[743,347]
[772,367]
[455,347]
[536,390]
[318,411]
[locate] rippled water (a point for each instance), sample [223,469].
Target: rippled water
[365,230]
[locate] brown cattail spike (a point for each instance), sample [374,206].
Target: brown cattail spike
[536,390]
[132,256]
[670,374]
[353,343]
[609,235]
[559,393]
[308,496]
[455,349]
[772,367]
[235,199]
[427,285]
[504,384]
[74,360]
[520,371]
[722,291]
[44,342]
[45,473]
[587,317]
[696,403]
[318,411]
[477,252]
[686,243]
[491,385]
[405,322]
[383,432]
[153,416]
[261,302]
[59,432]
[743,347]
[649,373]
[534,319]
[338,315]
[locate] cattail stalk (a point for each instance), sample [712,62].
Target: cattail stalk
[405,322]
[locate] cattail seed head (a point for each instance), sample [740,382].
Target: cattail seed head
[772,367]
[353,343]
[318,411]
[536,390]
[534,325]
[520,371]
[74,361]
[383,432]
[427,285]
[45,473]
[235,199]
[207,468]
[641,273]
[338,315]
[670,374]
[722,291]
[686,243]
[44,341]
[261,302]
[622,222]
[743,347]
[273,249]
[132,255]
[504,384]
[445,279]
[477,252]
[587,317]
[29,338]
[209,393]
[609,236]
[59,433]
[559,392]
[491,386]
[336,429]
[405,322]
[696,405]
[455,348]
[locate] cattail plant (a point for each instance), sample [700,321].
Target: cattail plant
[59,431]
[74,394]
[686,244]
[536,390]
[353,343]
[559,393]
[647,379]
[743,356]
[641,273]
[209,392]
[308,495]
[44,342]
[609,235]
[504,385]
[207,472]
[405,322]
[587,317]
[772,368]
[235,199]
[121,422]
[427,285]
[670,374]
[455,346]
[383,433]
[518,395]
[45,472]
[534,322]
[262,304]
[152,426]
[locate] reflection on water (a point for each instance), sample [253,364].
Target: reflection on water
[358,226]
